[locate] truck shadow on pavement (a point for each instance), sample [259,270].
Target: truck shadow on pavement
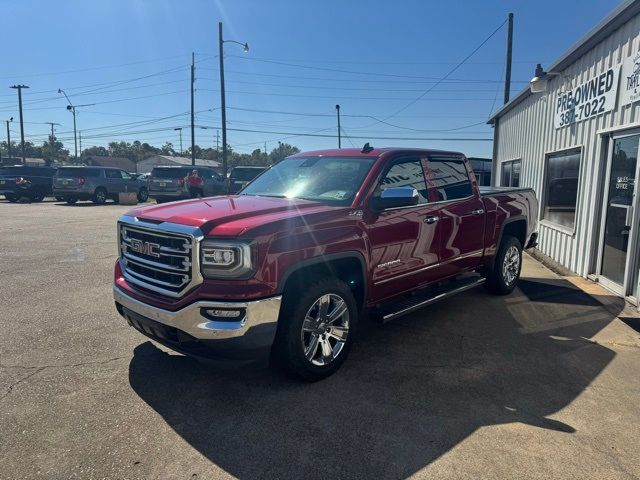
[411,390]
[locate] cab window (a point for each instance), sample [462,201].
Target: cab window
[405,172]
[448,178]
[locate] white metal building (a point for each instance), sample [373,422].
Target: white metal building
[146,165]
[576,143]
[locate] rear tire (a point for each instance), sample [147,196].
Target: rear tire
[100,196]
[11,197]
[143,195]
[60,199]
[37,197]
[70,200]
[315,329]
[504,275]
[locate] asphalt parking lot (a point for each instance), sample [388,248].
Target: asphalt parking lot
[543,383]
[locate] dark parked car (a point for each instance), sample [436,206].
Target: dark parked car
[241,176]
[20,181]
[96,183]
[167,183]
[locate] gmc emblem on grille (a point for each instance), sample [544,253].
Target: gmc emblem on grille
[145,248]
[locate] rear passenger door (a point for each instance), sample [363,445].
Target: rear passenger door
[461,212]
[114,181]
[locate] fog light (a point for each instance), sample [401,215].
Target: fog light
[214,312]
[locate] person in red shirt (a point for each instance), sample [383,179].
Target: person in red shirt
[194,184]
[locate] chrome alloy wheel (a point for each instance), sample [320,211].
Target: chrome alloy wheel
[511,265]
[325,329]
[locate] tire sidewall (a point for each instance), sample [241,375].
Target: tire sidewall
[501,284]
[296,305]
[96,198]
[143,195]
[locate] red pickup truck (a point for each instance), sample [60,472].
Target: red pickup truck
[285,269]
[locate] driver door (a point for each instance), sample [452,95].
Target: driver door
[404,241]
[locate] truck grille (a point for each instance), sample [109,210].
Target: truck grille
[158,260]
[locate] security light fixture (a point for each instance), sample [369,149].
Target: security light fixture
[540,80]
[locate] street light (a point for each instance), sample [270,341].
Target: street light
[180,130]
[9,136]
[245,48]
[72,108]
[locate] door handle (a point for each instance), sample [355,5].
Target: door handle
[431,220]
[479,211]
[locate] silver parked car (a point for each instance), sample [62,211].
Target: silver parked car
[96,183]
[167,183]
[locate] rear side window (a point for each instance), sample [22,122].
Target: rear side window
[170,172]
[113,174]
[405,172]
[246,173]
[78,172]
[449,178]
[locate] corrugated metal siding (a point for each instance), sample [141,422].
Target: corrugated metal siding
[527,132]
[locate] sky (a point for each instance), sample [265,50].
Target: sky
[394,67]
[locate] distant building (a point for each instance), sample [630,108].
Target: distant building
[146,165]
[117,162]
[482,170]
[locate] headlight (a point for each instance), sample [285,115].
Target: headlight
[220,259]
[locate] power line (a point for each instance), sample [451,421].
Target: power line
[456,67]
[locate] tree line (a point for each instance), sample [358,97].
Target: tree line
[55,153]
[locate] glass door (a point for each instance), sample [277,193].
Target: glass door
[617,266]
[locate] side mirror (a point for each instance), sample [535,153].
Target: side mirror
[396,197]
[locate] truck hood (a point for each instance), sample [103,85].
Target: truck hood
[229,215]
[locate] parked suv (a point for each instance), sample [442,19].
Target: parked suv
[239,177]
[96,183]
[167,183]
[285,269]
[20,181]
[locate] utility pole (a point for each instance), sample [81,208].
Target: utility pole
[80,142]
[179,129]
[193,132]
[339,138]
[9,136]
[19,88]
[217,142]
[52,140]
[507,74]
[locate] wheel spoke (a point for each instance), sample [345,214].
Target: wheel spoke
[309,324]
[339,333]
[327,350]
[337,312]
[325,301]
[312,348]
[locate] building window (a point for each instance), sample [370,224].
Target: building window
[510,175]
[449,177]
[561,188]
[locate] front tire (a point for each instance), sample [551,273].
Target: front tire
[71,200]
[11,197]
[504,275]
[100,196]
[316,328]
[38,197]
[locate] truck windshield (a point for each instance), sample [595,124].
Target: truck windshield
[333,180]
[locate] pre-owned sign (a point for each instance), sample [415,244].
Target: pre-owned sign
[587,100]
[630,88]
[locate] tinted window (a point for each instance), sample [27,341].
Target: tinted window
[35,171]
[449,178]
[179,172]
[112,174]
[244,174]
[561,188]
[124,175]
[78,172]
[405,173]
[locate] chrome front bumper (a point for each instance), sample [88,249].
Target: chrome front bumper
[250,335]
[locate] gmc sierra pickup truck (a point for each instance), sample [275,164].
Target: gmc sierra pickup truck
[285,269]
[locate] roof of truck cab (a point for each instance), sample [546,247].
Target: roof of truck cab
[376,152]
